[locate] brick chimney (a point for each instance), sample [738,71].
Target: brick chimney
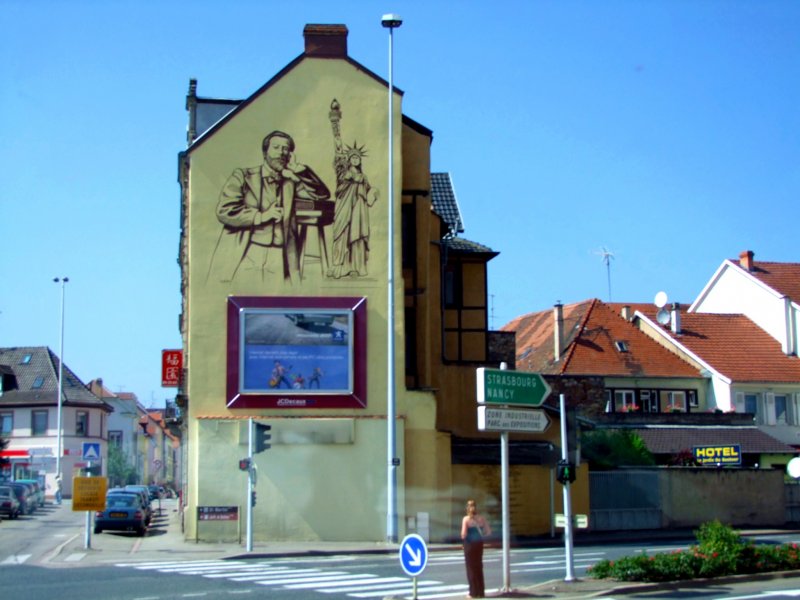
[326,41]
[746,260]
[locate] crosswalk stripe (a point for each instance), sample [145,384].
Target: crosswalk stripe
[16,559]
[387,584]
[353,580]
[266,576]
[332,576]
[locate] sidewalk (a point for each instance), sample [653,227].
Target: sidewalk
[166,541]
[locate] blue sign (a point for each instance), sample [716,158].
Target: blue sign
[91,450]
[413,554]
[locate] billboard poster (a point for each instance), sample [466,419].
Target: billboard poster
[306,352]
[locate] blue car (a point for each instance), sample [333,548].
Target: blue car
[123,512]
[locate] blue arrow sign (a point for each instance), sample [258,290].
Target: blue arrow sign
[413,554]
[91,451]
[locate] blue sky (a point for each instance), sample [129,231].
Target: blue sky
[664,131]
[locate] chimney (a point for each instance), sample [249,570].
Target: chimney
[558,331]
[675,318]
[326,41]
[626,312]
[746,260]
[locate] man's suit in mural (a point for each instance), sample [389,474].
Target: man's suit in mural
[257,210]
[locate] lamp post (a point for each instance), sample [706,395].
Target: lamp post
[391,22]
[63,281]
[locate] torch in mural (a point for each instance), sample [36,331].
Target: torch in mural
[354,197]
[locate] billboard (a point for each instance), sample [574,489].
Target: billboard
[293,352]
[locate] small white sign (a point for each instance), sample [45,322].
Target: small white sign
[91,451]
[510,419]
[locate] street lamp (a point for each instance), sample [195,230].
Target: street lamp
[63,281]
[391,21]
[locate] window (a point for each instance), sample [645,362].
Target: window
[621,346]
[751,403]
[673,401]
[82,423]
[26,359]
[780,410]
[38,383]
[39,422]
[115,438]
[452,285]
[649,400]
[625,401]
[693,401]
[6,423]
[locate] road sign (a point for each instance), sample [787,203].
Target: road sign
[509,419]
[91,451]
[580,521]
[512,388]
[89,493]
[413,554]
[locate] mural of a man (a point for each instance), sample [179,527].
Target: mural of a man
[256,209]
[354,197]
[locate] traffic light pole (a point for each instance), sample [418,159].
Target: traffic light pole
[249,496]
[570,574]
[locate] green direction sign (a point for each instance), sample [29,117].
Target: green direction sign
[512,388]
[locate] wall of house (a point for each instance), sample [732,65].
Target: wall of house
[303,488]
[734,292]
[534,497]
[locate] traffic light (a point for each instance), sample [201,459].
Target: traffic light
[244,464]
[565,472]
[262,437]
[253,498]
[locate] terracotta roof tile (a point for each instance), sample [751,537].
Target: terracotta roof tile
[784,278]
[591,330]
[736,347]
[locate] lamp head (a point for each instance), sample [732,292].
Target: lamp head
[391,21]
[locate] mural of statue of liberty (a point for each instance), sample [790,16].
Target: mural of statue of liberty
[354,197]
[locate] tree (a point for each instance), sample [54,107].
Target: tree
[606,449]
[120,472]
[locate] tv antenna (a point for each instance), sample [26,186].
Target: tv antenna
[607,256]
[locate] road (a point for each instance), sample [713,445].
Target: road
[42,557]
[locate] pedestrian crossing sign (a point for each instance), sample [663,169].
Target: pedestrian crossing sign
[91,451]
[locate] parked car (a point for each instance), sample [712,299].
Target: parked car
[156,492]
[9,505]
[123,512]
[38,490]
[25,497]
[142,493]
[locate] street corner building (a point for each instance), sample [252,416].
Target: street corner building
[286,276]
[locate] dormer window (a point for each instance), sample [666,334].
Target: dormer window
[621,346]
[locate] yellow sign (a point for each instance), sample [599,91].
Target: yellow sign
[89,493]
[718,455]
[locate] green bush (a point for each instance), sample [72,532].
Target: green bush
[720,551]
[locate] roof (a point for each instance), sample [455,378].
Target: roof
[784,278]
[732,345]
[35,369]
[445,203]
[672,440]
[591,330]
[465,246]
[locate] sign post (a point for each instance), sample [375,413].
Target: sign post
[413,558]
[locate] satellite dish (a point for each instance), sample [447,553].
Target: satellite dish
[663,316]
[661,299]
[793,468]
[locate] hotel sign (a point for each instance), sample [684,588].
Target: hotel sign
[730,454]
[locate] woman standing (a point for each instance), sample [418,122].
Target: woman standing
[473,529]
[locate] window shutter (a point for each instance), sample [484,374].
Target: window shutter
[739,402]
[769,409]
